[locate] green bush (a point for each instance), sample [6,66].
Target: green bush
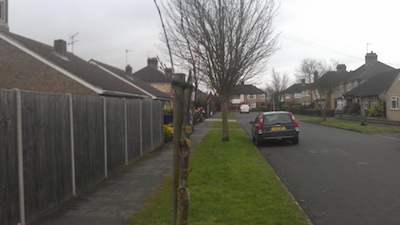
[168,132]
[354,109]
[261,109]
[168,111]
[376,111]
[285,106]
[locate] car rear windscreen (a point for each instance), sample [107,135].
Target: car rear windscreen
[277,119]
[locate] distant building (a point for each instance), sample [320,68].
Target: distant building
[155,77]
[249,94]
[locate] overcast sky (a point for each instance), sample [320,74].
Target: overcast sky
[338,30]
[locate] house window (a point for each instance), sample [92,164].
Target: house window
[317,95]
[349,86]
[251,96]
[287,96]
[298,95]
[262,96]
[340,103]
[366,103]
[341,88]
[374,102]
[253,105]
[394,102]
[305,93]
[236,97]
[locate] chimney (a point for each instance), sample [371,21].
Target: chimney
[341,68]
[60,47]
[371,58]
[315,76]
[152,62]
[303,82]
[4,15]
[168,72]
[128,70]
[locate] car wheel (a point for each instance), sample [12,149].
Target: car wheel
[295,141]
[256,142]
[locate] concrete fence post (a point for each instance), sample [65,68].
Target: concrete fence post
[126,131]
[105,136]
[141,126]
[72,142]
[21,189]
[151,126]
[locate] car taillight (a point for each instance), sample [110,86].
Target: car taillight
[260,125]
[296,125]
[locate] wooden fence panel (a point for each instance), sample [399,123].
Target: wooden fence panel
[146,128]
[9,199]
[46,152]
[133,113]
[89,140]
[115,133]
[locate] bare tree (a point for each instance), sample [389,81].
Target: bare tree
[276,86]
[310,66]
[233,40]
[325,88]
[311,70]
[181,140]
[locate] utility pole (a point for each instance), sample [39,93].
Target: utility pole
[72,38]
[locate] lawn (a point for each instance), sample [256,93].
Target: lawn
[230,115]
[349,125]
[230,183]
[231,125]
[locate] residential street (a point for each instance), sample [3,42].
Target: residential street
[338,176]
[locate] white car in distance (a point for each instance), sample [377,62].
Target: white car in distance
[244,108]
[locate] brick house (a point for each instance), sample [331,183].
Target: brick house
[329,87]
[336,83]
[248,94]
[301,93]
[33,66]
[30,65]
[383,88]
[126,74]
[371,68]
[155,77]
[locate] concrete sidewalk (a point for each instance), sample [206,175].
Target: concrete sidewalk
[113,201]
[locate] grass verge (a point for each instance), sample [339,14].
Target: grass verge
[230,115]
[230,183]
[231,125]
[348,125]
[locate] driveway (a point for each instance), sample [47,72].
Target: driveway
[337,176]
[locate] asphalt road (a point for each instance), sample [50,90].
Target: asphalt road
[339,177]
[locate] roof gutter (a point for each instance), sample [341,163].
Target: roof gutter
[122,94]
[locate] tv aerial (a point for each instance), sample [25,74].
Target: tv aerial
[73,41]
